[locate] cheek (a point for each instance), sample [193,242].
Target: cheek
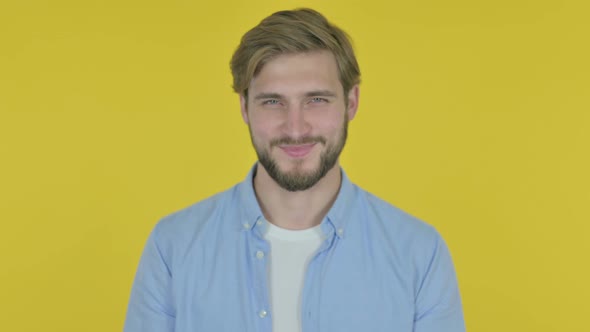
[262,131]
[332,126]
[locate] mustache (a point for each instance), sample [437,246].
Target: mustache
[299,141]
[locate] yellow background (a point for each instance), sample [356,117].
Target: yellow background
[475,116]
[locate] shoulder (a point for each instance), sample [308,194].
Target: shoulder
[396,226]
[393,215]
[184,224]
[408,241]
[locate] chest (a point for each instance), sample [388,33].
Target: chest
[226,287]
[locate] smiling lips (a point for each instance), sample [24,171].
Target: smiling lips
[297,151]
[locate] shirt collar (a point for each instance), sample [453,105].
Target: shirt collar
[337,216]
[247,198]
[341,210]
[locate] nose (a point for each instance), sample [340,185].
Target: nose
[296,124]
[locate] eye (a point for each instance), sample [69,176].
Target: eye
[319,100]
[270,102]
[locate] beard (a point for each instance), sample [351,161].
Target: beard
[299,180]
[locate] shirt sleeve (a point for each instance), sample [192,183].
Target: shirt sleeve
[150,306]
[438,303]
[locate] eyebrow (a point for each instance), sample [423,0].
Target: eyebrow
[322,93]
[315,93]
[268,95]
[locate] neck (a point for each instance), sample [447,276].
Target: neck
[296,210]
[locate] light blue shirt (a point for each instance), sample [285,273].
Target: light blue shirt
[379,269]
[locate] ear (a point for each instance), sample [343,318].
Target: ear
[244,108]
[353,101]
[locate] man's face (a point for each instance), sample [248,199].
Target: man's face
[298,117]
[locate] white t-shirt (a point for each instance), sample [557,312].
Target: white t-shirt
[290,252]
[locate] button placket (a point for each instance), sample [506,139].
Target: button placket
[257,252]
[311,295]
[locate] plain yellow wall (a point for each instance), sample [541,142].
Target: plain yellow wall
[475,116]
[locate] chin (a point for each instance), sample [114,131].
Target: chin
[299,165]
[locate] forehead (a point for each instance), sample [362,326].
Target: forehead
[299,72]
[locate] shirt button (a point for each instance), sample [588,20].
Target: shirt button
[340,231]
[262,313]
[259,254]
[259,222]
[246,225]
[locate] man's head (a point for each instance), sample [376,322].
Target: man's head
[297,77]
[289,32]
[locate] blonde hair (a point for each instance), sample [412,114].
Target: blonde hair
[292,31]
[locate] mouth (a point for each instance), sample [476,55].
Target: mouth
[297,151]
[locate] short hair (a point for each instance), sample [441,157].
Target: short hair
[290,32]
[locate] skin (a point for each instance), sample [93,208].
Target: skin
[297,101]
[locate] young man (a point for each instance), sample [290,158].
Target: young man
[296,246]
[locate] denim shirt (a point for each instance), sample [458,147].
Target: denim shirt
[378,269]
